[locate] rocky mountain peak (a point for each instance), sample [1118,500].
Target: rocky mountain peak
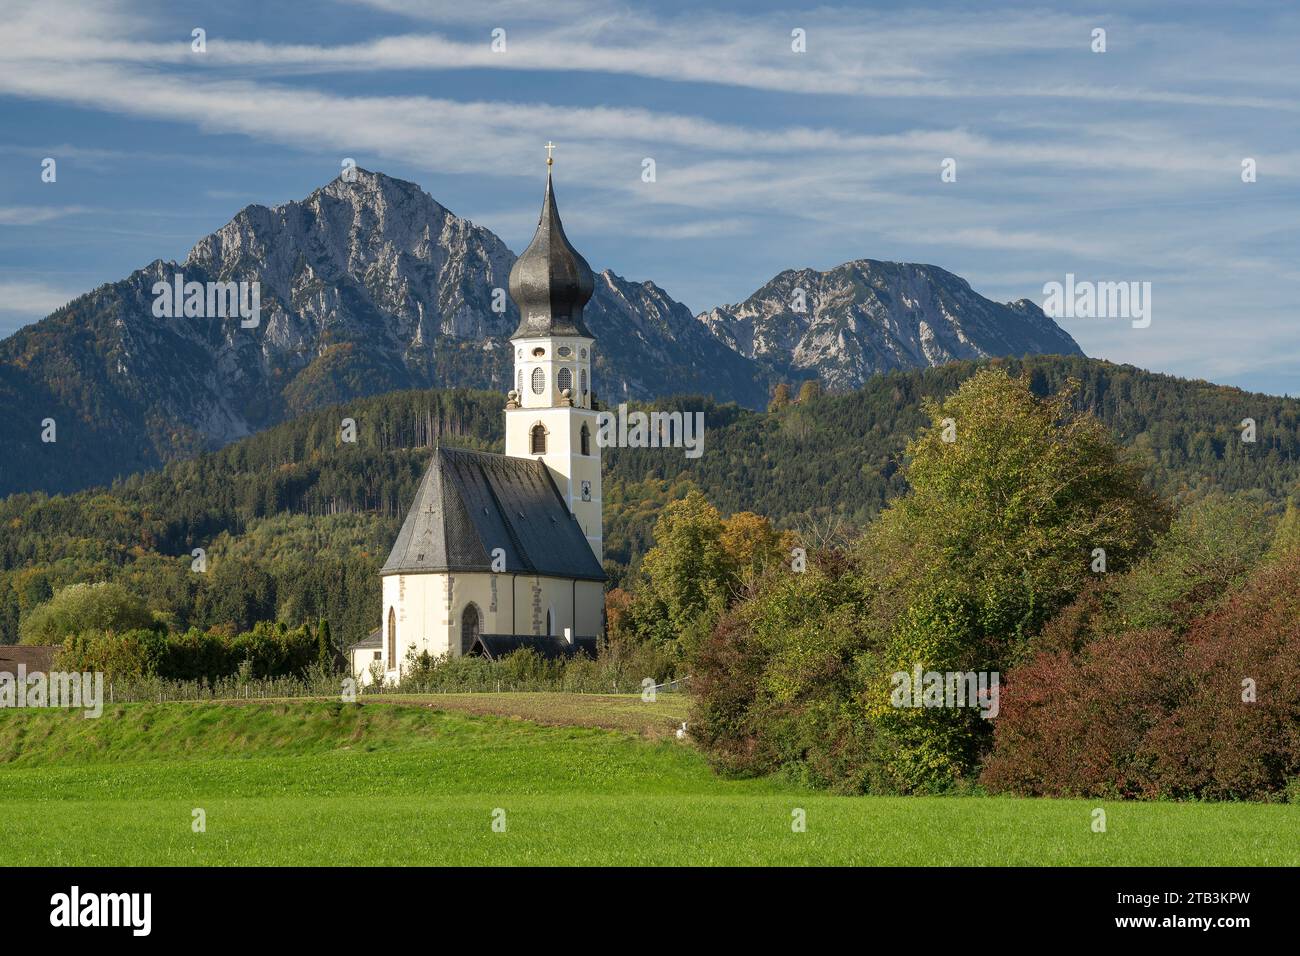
[865,316]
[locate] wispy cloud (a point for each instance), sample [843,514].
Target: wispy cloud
[1125,164]
[25,299]
[33,215]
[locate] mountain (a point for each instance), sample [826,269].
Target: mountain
[366,287]
[371,286]
[297,524]
[866,317]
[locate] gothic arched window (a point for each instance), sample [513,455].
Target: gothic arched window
[539,381]
[469,626]
[537,440]
[564,379]
[550,621]
[584,439]
[392,639]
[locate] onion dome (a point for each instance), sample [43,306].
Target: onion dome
[550,282]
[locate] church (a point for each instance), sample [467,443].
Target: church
[500,552]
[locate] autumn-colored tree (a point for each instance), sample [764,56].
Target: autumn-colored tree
[1153,713]
[752,545]
[1011,494]
[780,397]
[1012,498]
[809,390]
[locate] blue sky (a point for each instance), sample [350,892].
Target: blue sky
[1115,166]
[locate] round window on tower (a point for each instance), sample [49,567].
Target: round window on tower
[565,351]
[539,381]
[564,379]
[539,351]
[583,353]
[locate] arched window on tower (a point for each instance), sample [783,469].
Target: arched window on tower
[392,639]
[584,439]
[519,381]
[582,377]
[537,440]
[469,627]
[539,381]
[564,379]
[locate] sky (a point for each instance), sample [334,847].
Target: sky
[1117,166]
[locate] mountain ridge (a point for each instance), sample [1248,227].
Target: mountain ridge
[373,285]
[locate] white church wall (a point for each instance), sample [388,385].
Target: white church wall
[362,658]
[420,605]
[428,608]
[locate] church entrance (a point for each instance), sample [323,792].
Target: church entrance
[469,627]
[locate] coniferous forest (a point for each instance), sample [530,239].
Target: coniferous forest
[294,522]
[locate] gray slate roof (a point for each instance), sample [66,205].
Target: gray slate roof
[496,646]
[550,282]
[373,639]
[471,502]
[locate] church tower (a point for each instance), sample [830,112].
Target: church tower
[550,414]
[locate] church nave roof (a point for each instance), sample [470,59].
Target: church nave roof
[470,503]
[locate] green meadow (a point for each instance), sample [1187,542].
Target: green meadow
[581,781]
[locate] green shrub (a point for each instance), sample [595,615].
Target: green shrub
[80,607]
[117,654]
[268,651]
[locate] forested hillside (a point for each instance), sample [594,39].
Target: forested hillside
[295,522]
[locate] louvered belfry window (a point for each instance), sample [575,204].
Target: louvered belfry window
[538,440]
[539,381]
[565,379]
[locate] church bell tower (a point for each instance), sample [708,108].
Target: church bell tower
[550,414]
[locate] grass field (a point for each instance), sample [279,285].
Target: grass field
[417,780]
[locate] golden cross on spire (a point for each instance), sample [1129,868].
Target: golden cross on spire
[549,146]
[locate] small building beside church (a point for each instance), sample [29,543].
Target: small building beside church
[501,551]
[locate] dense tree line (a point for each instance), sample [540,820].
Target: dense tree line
[295,521]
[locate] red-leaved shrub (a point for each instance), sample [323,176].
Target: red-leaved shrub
[1151,714]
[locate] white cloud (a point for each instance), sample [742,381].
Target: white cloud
[30,300]
[32,215]
[1055,174]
